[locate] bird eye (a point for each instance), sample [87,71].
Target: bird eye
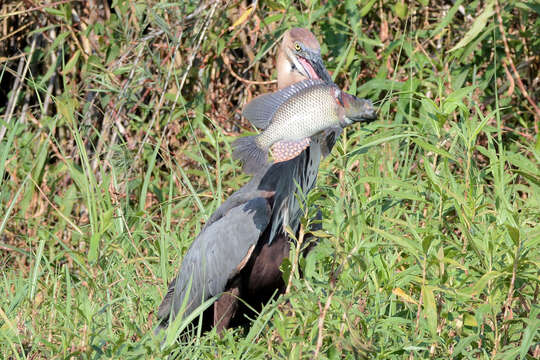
[297,46]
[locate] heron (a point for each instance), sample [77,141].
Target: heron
[239,251]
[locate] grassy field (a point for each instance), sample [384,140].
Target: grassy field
[115,131]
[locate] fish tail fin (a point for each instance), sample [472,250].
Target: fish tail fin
[252,156]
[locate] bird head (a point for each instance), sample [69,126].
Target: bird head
[300,59]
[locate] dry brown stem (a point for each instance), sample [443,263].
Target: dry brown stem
[516,73]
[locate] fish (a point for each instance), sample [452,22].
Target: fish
[291,116]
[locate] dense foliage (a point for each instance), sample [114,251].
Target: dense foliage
[115,131]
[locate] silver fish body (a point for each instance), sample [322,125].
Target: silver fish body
[311,110]
[294,114]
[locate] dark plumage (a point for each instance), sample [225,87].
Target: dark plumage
[242,246]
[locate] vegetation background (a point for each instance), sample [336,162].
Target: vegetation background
[115,130]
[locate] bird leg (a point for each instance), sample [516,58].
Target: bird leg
[225,307]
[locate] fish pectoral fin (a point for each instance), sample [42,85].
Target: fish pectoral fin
[287,150]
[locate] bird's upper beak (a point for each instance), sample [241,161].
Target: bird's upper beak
[312,66]
[318,65]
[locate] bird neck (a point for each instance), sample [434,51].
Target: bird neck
[286,75]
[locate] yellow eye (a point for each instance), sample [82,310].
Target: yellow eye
[297,46]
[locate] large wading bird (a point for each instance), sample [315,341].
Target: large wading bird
[240,249]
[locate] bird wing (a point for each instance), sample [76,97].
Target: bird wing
[290,181]
[240,197]
[328,139]
[216,255]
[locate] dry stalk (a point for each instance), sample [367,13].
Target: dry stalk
[508,303]
[511,63]
[17,87]
[55,208]
[227,63]
[321,320]
[35,8]
[208,20]
[324,311]
[15,32]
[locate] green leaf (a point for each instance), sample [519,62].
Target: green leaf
[447,19]
[94,245]
[530,6]
[455,99]
[430,309]
[470,320]
[400,9]
[482,282]
[514,233]
[533,323]
[320,234]
[477,27]
[430,147]
[402,241]
[464,342]
[375,142]
[72,62]
[366,8]
[54,12]
[286,268]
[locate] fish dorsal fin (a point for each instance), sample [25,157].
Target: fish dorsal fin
[261,110]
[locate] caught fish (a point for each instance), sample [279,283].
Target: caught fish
[291,115]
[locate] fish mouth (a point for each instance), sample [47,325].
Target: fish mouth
[365,113]
[313,66]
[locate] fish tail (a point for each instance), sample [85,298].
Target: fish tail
[252,156]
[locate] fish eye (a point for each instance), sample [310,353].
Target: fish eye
[297,46]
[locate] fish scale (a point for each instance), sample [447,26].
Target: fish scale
[316,103]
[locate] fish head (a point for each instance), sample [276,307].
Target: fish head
[300,59]
[357,110]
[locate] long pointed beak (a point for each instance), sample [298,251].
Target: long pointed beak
[317,64]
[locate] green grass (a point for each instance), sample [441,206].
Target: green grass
[117,150]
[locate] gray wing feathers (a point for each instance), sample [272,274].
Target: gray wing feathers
[328,139]
[214,256]
[238,198]
[302,170]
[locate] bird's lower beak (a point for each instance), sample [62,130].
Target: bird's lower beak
[317,64]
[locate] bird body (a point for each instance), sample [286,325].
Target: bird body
[292,115]
[213,263]
[240,249]
[232,256]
